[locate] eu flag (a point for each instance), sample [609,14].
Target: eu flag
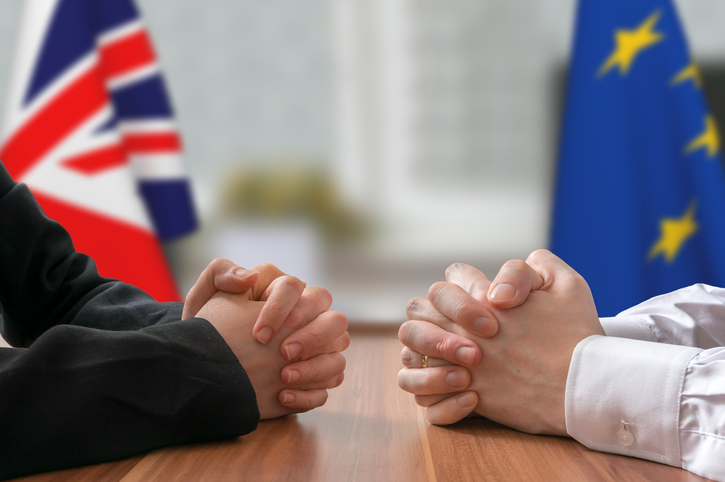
[640,196]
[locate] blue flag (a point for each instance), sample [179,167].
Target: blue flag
[640,198]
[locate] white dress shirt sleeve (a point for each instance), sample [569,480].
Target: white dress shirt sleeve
[692,316]
[649,390]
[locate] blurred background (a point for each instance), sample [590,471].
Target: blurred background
[365,145]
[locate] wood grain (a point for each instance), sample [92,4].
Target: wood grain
[370,430]
[479,449]
[110,471]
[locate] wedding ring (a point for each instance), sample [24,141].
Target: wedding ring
[424,361]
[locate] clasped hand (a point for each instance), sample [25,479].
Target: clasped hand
[498,349]
[281,332]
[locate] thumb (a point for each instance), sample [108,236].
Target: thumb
[513,283]
[220,275]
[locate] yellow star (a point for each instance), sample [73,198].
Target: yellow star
[674,233]
[709,139]
[691,72]
[630,43]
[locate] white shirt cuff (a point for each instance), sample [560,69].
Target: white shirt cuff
[623,396]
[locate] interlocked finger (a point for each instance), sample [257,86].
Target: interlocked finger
[428,400]
[420,308]
[324,329]
[471,279]
[281,296]
[453,409]
[429,339]
[413,359]
[457,305]
[318,369]
[302,400]
[435,380]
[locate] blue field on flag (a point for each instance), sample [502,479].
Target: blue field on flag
[640,193]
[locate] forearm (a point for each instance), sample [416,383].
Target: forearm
[80,396]
[43,281]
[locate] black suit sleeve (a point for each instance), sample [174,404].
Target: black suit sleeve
[44,282]
[80,395]
[108,371]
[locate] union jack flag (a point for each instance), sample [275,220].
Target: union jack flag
[89,129]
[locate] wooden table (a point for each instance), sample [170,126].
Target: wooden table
[370,430]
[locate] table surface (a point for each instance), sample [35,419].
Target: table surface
[371,430]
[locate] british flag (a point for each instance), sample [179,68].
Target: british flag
[90,130]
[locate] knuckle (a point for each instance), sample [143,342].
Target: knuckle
[579,280]
[275,310]
[309,404]
[312,373]
[295,318]
[345,341]
[314,339]
[443,347]
[515,265]
[267,266]
[339,321]
[218,262]
[323,399]
[446,347]
[538,254]
[574,281]
[413,306]
[325,295]
[406,356]
[459,309]
[308,342]
[434,292]
[431,379]
[464,311]
[342,343]
[453,268]
[402,378]
[404,332]
[292,282]
[318,295]
[338,380]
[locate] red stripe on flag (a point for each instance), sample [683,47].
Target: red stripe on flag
[120,250]
[98,160]
[126,54]
[152,142]
[51,124]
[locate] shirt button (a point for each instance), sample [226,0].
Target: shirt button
[625,437]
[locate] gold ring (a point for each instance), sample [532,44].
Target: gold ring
[424,361]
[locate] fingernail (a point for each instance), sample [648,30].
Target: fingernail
[457,379]
[467,400]
[264,335]
[466,355]
[503,292]
[243,273]
[292,376]
[289,398]
[483,326]
[293,350]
